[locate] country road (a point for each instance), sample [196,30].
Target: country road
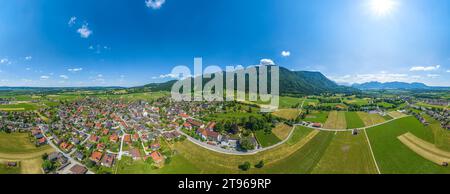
[253,152]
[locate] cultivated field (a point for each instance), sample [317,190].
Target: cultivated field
[282,131]
[347,154]
[353,120]
[213,162]
[396,114]
[317,117]
[336,120]
[266,139]
[425,149]
[393,157]
[287,113]
[17,147]
[370,119]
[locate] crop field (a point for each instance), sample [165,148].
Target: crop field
[353,120]
[336,120]
[311,102]
[287,113]
[317,117]
[425,149]
[393,156]
[19,107]
[396,114]
[213,162]
[347,154]
[178,165]
[282,131]
[266,139]
[357,101]
[370,119]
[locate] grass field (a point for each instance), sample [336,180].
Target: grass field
[358,101]
[178,165]
[213,162]
[17,143]
[425,149]
[353,120]
[317,117]
[432,106]
[287,113]
[336,120]
[396,114]
[19,107]
[441,136]
[393,156]
[266,139]
[17,147]
[347,154]
[282,131]
[8,170]
[370,119]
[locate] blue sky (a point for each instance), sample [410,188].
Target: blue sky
[130,43]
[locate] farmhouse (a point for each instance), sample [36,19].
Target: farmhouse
[157,157]
[209,135]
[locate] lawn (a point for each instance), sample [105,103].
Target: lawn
[266,139]
[288,114]
[213,162]
[336,120]
[395,158]
[317,117]
[370,119]
[347,154]
[353,120]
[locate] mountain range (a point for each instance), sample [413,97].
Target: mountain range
[396,86]
[291,82]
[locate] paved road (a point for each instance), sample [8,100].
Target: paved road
[70,159]
[253,152]
[235,152]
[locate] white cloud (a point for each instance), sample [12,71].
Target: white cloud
[75,70]
[64,76]
[99,75]
[267,62]
[44,77]
[164,76]
[154,4]
[380,77]
[72,21]
[28,69]
[28,58]
[433,75]
[422,68]
[285,53]
[448,71]
[84,31]
[4,61]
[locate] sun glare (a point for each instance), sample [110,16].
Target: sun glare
[382,7]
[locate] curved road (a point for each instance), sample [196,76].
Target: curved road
[253,152]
